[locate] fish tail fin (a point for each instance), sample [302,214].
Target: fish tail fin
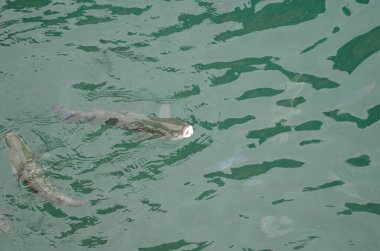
[66,201]
[74,203]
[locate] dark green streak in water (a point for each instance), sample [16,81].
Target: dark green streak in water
[154,207]
[128,11]
[363,1]
[308,142]
[245,65]
[235,68]
[237,64]
[52,210]
[26,6]
[230,75]
[324,186]
[205,124]
[88,86]
[223,125]
[362,160]
[353,53]
[186,22]
[336,29]
[346,11]
[269,132]
[316,82]
[82,223]
[206,195]
[291,102]
[115,10]
[301,244]
[5,24]
[32,19]
[321,41]
[195,90]
[280,201]
[227,123]
[83,186]
[178,245]
[290,12]
[93,241]
[93,20]
[217,181]
[259,92]
[373,117]
[312,125]
[372,208]
[89,48]
[60,22]
[53,33]
[266,133]
[248,171]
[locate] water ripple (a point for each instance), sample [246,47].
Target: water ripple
[179,245]
[55,19]
[248,171]
[324,186]
[263,134]
[237,67]
[373,117]
[290,12]
[362,160]
[354,52]
[373,208]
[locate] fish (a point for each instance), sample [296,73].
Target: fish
[25,167]
[151,124]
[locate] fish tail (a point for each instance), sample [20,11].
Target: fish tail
[75,203]
[66,201]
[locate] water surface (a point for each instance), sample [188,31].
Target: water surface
[283,96]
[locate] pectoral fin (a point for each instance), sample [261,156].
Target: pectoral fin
[165,111]
[142,137]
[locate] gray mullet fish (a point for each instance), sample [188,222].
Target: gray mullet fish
[164,127]
[24,166]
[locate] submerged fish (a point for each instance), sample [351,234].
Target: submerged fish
[165,127]
[24,166]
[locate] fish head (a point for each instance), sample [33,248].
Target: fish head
[174,128]
[17,151]
[12,140]
[187,131]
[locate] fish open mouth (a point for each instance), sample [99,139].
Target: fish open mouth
[187,131]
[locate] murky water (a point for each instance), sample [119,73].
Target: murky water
[283,97]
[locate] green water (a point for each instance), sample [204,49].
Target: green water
[283,96]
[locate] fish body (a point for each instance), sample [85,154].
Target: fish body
[164,127]
[24,166]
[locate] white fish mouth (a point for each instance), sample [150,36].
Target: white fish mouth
[187,131]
